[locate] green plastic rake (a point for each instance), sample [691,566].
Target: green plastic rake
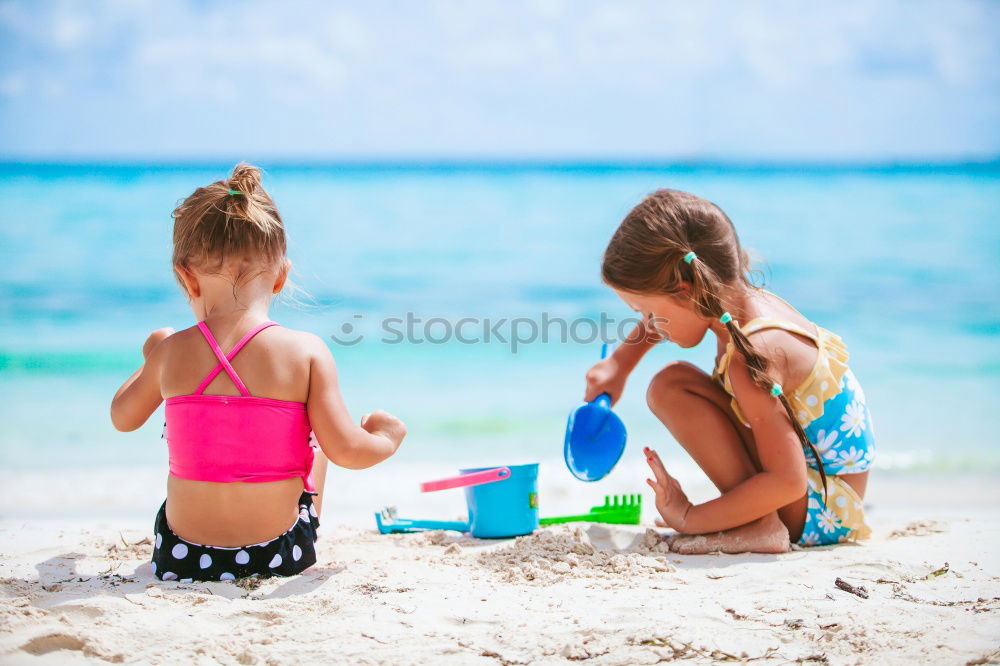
[617,509]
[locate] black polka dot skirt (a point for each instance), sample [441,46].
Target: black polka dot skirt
[285,555]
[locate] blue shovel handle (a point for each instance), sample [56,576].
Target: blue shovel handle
[604,400]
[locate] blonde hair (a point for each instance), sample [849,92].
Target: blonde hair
[230,219]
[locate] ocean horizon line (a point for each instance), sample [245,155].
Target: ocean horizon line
[512,165]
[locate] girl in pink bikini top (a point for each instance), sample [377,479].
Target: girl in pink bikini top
[229,257]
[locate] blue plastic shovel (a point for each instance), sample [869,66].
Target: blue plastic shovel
[595,438]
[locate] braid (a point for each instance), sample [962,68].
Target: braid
[706,299]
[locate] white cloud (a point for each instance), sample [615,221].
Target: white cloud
[772,79]
[69,31]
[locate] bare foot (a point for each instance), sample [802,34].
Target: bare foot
[766,535]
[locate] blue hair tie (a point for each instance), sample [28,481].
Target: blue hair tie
[232,192]
[776,390]
[690,256]
[726,318]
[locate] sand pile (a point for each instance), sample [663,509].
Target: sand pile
[552,553]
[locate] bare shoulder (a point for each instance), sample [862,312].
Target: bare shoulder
[179,342]
[184,335]
[790,356]
[301,343]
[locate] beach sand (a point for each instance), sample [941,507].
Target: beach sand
[80,591]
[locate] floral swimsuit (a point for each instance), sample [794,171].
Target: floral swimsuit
[830,406]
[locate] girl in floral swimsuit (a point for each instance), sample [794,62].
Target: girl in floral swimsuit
[781,426]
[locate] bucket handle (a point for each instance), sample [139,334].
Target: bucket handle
[474,479]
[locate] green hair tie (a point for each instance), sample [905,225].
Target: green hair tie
[232,192]
[689,257]
[776,390]
[726,318]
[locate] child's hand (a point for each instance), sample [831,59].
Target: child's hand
[155,338]
[605,376]
[386,425]
[671,501]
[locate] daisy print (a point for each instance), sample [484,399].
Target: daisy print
[826,521]
[826,441]
[810,539]
[850,459]
[853,419]
[852,385]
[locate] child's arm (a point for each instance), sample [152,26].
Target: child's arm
[781,481]
[346,444]
[609,375]
[140,395]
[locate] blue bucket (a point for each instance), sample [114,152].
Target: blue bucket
[505,508]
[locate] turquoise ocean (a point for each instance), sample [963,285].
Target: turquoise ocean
[902,262]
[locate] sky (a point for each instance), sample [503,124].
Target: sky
[855,80]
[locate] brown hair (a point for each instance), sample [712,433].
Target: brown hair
[647,253]
[232,218]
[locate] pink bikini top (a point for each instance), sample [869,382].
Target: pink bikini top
[226,438]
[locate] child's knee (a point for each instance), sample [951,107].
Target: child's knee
[668,382]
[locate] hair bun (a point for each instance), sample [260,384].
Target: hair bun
[245,179]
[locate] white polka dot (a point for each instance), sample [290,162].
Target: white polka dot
[205,561]
[242,557]
[803,415]
[227,576]
[841,501]
[154,567]
[312,511]
[180,551]
[296,553]
[304,515]
[811,401]
[186,580]
[159,540]
[823,385]
[169,575]
[275,561]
